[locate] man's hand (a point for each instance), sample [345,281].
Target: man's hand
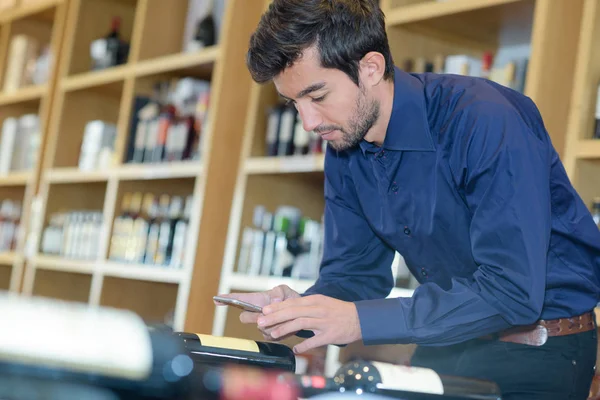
[262,299]
[333,321]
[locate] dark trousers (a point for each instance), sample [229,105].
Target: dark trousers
[560,369]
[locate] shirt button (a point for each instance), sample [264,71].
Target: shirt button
[406,231]
[380,154]
[423,272]
[394,188]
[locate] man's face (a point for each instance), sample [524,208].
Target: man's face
[328,102]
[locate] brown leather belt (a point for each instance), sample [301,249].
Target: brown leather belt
[537,334]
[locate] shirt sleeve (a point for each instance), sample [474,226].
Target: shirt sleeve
[356,263]
[501,166]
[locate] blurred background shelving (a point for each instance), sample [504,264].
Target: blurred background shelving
[141,118]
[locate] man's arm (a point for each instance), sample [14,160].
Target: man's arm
[356,264]
[502,169]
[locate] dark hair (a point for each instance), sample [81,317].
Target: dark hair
[342,30]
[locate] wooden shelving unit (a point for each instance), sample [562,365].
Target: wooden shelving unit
[416,28]
[182,297]
[582,157]
[44,21]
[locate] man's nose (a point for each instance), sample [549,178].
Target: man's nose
[310,118]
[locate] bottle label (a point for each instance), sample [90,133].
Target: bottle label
[409,379]
[75,337]
[228,343]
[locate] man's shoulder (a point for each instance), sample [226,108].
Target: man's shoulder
[451,97]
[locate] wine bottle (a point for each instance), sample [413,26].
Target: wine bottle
[409,383]
[218,351]
[86,353]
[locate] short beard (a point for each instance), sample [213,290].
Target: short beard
[364,117]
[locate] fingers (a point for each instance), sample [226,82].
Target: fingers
[294,326]
[288,314]
[247,317]
[312,343]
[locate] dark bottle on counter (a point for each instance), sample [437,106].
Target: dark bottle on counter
[219,351]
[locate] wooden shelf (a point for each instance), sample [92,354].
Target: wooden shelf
[96,78]
[143,272]
[589,149]
[9,257]
[26,94]
[27,10]
[199,62]
[16,179]
[56,263]
[251,283]
[183,169]
[74,175]
[431,9]
[474,25]
[282,165]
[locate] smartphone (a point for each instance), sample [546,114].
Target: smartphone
[238,303]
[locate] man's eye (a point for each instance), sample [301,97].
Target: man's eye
[319,99]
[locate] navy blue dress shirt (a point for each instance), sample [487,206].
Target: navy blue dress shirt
[468,188]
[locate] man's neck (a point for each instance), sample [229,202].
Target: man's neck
[385,95]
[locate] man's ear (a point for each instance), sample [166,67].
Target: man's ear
[372,68]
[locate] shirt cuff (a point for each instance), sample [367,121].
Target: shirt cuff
[382,321]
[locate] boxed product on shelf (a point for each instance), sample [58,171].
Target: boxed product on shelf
[510,71]
[73,234]
[98,146]
[168,127]
[28,63]
[10,223]
[20,143]
[151,229]
[286,136]
[284,243]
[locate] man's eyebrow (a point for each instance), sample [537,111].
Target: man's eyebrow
[312,88]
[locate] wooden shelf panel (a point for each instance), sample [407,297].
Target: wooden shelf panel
[74,175]
[588,149]
[142,272]
[183,169]
[57,263]
[431,9]
[153,301]
[474,24]
[281,165]
[26,94]
[198,64]
[27,10]
[8,257]
[96,78]
[16,179]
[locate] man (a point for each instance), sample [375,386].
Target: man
[458,175]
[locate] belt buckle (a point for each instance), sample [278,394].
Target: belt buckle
[540,335]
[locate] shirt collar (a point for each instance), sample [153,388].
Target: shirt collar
[408,129]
